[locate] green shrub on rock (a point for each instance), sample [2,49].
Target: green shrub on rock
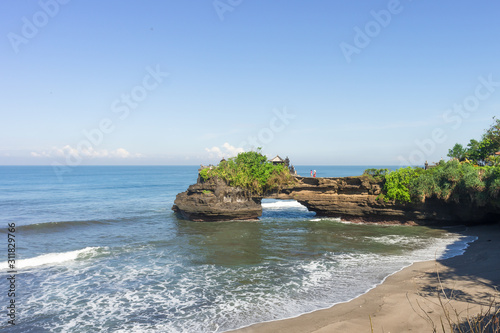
[455,181]
[250,171]
[397,184]
[491,178]
[376,174]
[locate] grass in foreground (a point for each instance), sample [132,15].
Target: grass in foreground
[452,320]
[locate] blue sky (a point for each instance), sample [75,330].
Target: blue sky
[187,82]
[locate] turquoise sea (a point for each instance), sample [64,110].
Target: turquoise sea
[101,251]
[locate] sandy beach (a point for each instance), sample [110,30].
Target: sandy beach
[408,301]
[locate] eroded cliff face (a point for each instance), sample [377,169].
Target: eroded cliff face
[357,199]
[215,201]
[350,198]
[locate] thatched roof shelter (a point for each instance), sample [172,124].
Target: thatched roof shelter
[277,160]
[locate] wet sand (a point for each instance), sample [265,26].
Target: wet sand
[408,300]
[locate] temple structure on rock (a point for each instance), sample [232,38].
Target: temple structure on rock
[278,160]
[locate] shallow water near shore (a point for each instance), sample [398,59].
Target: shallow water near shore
[102,251]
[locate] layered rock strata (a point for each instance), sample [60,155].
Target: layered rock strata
[350,198]
[215,201]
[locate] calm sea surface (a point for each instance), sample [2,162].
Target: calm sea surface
[101,251]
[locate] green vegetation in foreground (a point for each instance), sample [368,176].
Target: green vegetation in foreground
[250,171]
[474,178]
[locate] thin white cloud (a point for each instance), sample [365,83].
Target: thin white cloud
[120,152]
[226,150]
[214,151]
[86,152]
[233,151]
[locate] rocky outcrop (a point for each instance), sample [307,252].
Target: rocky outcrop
[215,201]
[350,198]
[357,199]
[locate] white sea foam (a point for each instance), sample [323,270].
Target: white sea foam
[458,247]
[395,240]
[169,296]
[52,258]
[335,219]
[283,204]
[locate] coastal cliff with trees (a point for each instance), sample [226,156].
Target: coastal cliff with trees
[481,152]
[471,177]
[463,190]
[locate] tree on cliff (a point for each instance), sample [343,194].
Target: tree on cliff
[472,176]
[479,152]
[458,151]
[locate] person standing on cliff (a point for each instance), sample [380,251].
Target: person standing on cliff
[311,173]
[314,174]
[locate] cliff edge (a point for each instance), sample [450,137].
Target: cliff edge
[349,198]
[214,200]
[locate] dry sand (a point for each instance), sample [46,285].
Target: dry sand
[405,299]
